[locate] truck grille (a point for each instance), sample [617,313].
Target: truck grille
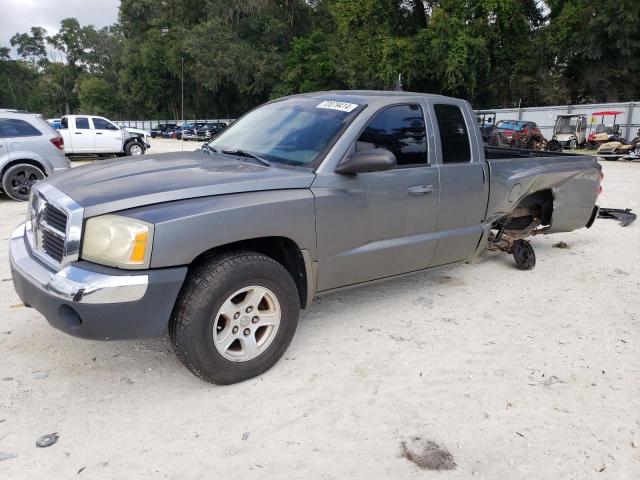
[49,225]
[56,218]
[53,236]
[54,229]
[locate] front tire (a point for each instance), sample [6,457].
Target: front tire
[235,317]
[18,179]
[134,149]
[573,144]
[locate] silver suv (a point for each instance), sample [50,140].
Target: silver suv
[30,150]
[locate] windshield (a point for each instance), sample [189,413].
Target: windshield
[567,124]
[510,125]
[296,131]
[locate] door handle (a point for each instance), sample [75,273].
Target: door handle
[420,189]
[98,133]
[78,133]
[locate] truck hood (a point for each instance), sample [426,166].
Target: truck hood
[111,185]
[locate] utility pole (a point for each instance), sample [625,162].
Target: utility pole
[399,85]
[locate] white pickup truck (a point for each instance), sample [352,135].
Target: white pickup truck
[92,135]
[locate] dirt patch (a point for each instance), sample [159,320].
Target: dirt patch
[451,281]
[561,245]
[427,454]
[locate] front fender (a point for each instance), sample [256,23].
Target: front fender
[185,229]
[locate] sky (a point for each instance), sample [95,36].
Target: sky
[18,16]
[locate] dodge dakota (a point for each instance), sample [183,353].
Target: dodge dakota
[304,195]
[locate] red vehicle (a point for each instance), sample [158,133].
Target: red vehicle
[518,134]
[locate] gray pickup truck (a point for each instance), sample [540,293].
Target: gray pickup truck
[304,195]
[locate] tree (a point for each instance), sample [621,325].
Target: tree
[597,48]
[32,47]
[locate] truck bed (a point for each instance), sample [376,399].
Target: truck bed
[572,180]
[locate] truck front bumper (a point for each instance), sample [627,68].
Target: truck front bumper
[91,301]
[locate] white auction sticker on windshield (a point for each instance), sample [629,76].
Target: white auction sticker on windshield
[334,105]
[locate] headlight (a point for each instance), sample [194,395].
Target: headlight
[118,242]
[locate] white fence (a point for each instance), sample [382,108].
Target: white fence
[545,117]
[149,124]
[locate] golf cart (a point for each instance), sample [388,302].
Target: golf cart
[486,122]
[570,130]
[604,133]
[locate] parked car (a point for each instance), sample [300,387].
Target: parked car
[299,197]
[55,123]
[91,135]
[518,134]
[210,130]
[159,129]
[188,131]
[175,132]
[30,150]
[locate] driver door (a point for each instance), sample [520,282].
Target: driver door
[379,224]
[108,137]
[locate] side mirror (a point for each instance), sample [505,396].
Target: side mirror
[370,160]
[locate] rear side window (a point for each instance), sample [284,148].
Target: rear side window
[454,137]
[12,127]
[399,129]
[82,123]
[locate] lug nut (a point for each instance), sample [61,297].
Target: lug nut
[254,320]
[249,309]
[236,315]
[247,332]
[235,329]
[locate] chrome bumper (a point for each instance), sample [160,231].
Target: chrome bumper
[72,283]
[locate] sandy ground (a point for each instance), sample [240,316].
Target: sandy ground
[519,375]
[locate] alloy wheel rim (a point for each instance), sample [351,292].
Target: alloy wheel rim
[136,150]
[247,323]
[22,181]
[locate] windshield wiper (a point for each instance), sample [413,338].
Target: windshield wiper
[244,153]
[208,148]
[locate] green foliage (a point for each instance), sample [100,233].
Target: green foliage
[309,66]
[239,53]
[98,96]
[598,46]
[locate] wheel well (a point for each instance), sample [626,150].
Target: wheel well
[283,250]
[23,160]
[132,140]
[543,200]
[532,210]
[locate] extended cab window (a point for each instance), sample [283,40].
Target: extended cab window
[102,124]
[399,129]
[82,123]
[454,137]
[10,127]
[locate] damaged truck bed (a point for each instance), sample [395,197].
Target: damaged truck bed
[535,192]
